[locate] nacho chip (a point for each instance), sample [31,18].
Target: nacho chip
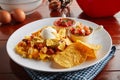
[90,50]
[70,57]
[74,54]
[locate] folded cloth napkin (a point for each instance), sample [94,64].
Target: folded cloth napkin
[84,74]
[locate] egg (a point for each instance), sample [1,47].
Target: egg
[5,17]
[18,15]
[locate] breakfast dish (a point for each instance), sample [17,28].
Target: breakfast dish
[43,44]
[52,44]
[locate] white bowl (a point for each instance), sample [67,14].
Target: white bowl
[27,5]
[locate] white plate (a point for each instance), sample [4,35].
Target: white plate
[99,37]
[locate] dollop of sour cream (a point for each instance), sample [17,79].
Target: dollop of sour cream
[48,33]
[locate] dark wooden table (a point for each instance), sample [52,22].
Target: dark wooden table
[12,71]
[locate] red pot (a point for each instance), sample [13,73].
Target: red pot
[99,8]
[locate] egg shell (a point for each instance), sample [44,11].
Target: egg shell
[18,15]
[5,17]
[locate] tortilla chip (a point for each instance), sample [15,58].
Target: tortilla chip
[70,57]
[90,50]
[74,54]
